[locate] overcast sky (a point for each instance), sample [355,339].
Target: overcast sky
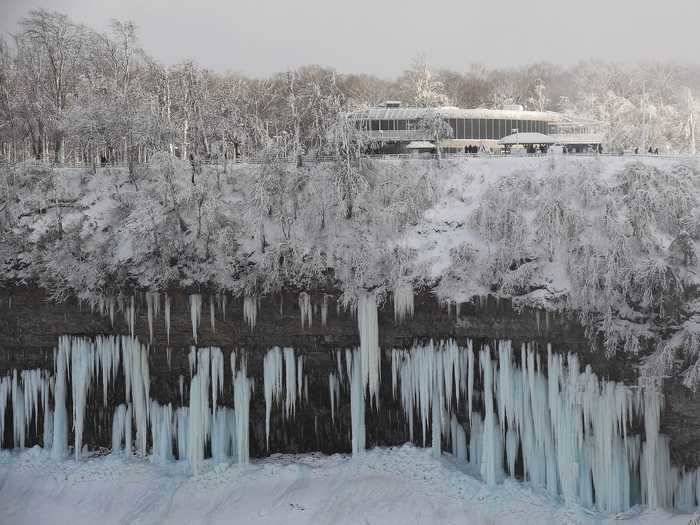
[382,37]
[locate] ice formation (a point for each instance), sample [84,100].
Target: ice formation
[567,431]
[250,311]
[130,314]
[152,309]
[403,302]
[357,400]
[281,367]
[334,391]
[370,355]
[572,430]
[166,313]
[195,314]
[324,309]
[305,309]
[212,314]
[85,364]
[272,378]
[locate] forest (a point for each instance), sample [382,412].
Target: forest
[73,95]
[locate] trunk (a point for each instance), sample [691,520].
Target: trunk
[184,142]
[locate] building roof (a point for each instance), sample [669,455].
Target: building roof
[420,144]
[415,113]
[578,138]
[527,138]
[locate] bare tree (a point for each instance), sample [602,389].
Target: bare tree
[60,40]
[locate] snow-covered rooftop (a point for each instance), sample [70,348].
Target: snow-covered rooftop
[412,113]
[527,138]
[420,144]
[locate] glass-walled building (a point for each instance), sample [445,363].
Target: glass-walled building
[393,127]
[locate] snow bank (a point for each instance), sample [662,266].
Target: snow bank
[388,486]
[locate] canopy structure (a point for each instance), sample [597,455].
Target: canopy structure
[526,138]
[420,144]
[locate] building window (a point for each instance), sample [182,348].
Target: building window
[401,125]
[489,129]
[453,124]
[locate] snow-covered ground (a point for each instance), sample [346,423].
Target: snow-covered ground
[403,485]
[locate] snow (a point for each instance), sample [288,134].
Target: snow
[403,485]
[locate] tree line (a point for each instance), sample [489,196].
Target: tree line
[69,93]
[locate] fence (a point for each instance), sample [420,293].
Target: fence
[413,157]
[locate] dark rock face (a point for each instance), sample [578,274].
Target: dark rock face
[30,326]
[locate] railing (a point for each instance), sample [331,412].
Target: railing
[418,157]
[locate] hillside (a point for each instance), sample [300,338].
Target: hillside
[612,239]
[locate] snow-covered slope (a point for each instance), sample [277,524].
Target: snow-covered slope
[385,486]
[613,239]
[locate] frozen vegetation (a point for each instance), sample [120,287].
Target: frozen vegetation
[611,239]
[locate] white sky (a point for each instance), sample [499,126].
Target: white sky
[381,37]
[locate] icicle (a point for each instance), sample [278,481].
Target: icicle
[654,476]
[111,311]
[222,435]
[131,316]
[217,375]
[222,305]
[82,362]
[290,399]
[167,316]
[305,309]
[324,309]
[118,428]
[60,425]
[250,311]
[339,364]
[300,376]
[212,319]
[162,426]
[182,423]
[195,314]
[169,357]
[491,452]
[272,376]
[153,308]
[242,386]
[334,390]
[459,439]
[197,428]
[18,427]
[357,404]
[48,414]
[403,302]
[369,345]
